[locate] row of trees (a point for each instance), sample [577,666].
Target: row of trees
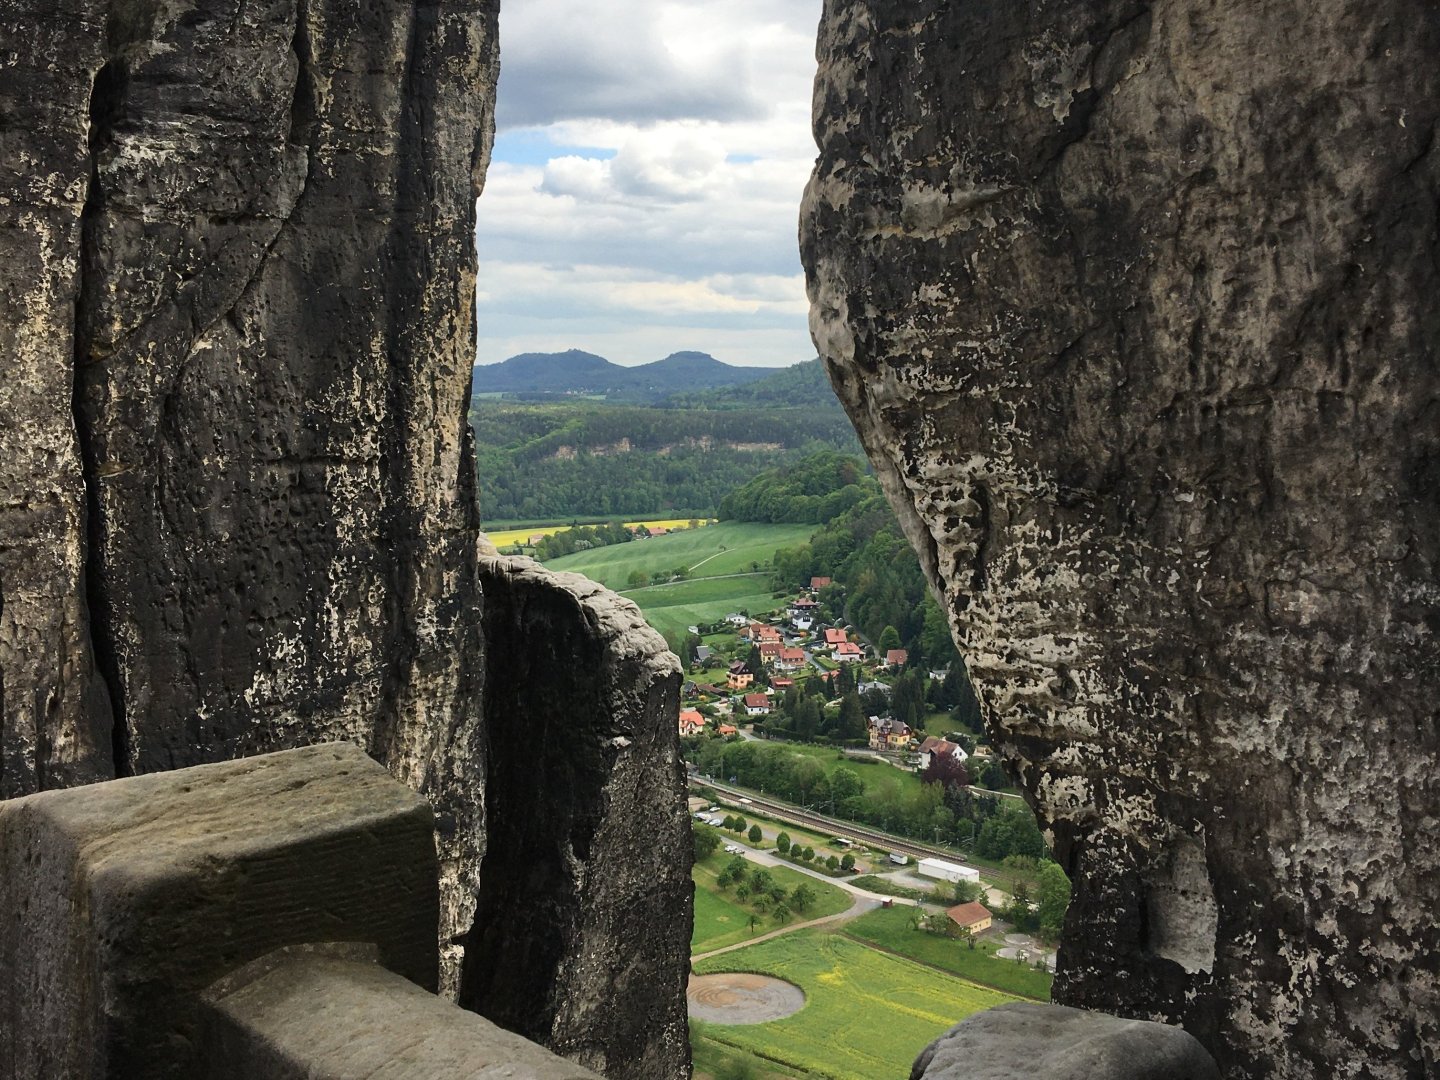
[757,886]
[582,538]
[937,812]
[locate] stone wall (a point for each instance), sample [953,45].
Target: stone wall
[1135,309]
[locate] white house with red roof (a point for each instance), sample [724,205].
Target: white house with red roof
[896,658]
[691,722]
[835,636]
[934,746]
[756,704]
[848,653]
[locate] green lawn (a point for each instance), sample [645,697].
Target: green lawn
[743,543]
[867,1013]
[715,1061]
[701,600]
[873,774]
[891,930]
[721,920]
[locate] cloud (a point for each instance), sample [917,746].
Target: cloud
[648,176]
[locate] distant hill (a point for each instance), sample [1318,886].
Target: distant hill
[574,372]
[800,386]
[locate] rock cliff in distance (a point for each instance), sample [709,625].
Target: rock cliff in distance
[1137,308]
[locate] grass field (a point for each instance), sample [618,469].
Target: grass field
[891,930]
[867,1013]
[721,920]
[873,774]
[715,1061]
[727,548]
[700,600]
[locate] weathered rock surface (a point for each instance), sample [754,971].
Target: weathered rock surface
[1135,309]
[582,930]
[238,261]
[1021,1041]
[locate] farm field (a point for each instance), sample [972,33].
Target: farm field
[904,1005]
[721,920]
[697,550]
[890,929]
[504,537]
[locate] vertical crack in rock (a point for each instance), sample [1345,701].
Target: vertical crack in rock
[106,97]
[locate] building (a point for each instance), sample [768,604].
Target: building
[790,659]
[973,917]
[889,734]
[802,622]
[691,722]
[896,658]
[739,675]
[835,636]
[759,632]
[804,605]
[781,684]
[771,650]
[736,619]
[818,583]
[756,705]
[728,730]
[941,870]
[934,746]
[848,653]
[866,687]
[702,653]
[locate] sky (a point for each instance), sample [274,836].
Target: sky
[644,192]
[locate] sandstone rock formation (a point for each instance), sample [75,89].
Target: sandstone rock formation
[236,494]
[1135,309]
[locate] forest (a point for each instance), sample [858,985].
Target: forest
[579,459]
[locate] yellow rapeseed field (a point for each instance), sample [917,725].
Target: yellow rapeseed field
[520,536]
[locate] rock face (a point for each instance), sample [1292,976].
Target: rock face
[236,493]
[1134,307]
[1021,1040]
[582,932]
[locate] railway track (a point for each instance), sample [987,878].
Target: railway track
[784,811]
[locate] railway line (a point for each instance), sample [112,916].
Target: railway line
[783,811]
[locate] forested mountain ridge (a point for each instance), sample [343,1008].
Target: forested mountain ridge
[799,386]
[584,458]
[575,372]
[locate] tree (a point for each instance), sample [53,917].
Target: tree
[833,863]
[637,579]
[705,839]
[754,834]
[809,855]
[729,823]
[889,639]
[803,898]
[847,862]
[740,826]
[1053,895]
[946,771]
[781,911]
[852,717]
[782,843]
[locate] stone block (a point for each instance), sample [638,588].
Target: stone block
[330,1017]
[120,902]
[1022,1041]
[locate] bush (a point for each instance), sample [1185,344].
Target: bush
[809,854]
[833,863]
[847,863]
[782,843]
[706,840]
[754,834]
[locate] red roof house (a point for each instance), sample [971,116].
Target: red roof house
[896,658]
[819,582]
[835,636]
[756,704]
[973,917]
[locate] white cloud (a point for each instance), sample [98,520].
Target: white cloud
[669,207]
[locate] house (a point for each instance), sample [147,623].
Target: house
[818,583]
[728,730]
[896,658]
[835,636]
[973,917]
[879,687]
[656,530]
[691,722]
[739,675]
[887,734]
[759,632]
[934,746]
[770,650]
[780,685]
[848,653]
[736,619]
[804,605]
[702,653]
[756,705]
[790,659]
[802,622]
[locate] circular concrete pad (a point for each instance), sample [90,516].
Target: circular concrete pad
[733,998]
